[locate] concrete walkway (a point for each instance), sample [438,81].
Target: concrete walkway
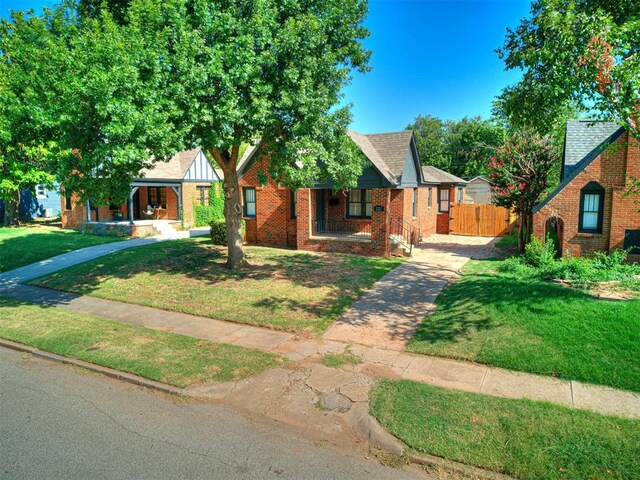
[289,388]
[388,314]
[60,262]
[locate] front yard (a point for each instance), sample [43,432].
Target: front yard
[532,325]
[165,357]
[282,289]
[522,438]
[25,245]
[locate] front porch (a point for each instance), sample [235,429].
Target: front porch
[135,228]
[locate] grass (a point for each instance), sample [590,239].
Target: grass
[339,360]
[531,325]
[25,245]
[282,289]
[508,241]
[164,357]
[522,438]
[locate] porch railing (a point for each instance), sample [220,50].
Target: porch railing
[404,232]
[343,229]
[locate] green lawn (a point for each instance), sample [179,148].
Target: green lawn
[282,289]
[534,326]
[522,438]
[164,357]
[24,245]
[508,241]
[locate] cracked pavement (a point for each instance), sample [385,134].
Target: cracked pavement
[59,422]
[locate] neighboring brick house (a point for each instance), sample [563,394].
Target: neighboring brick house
[392,205]
[449,191]
[168,191]
[589,211]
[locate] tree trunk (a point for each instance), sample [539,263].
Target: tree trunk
[12,210]
[524,231]
[233,215]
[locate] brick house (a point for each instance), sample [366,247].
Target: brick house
[164,194]
[589,211]
[392,206]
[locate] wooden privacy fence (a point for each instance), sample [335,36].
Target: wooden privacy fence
[480,220]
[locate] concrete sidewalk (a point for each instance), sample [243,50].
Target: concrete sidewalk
[355,381]
[60,262]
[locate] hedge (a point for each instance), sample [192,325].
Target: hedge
[219,232]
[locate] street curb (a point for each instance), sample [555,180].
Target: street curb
[109,372]
[370,430]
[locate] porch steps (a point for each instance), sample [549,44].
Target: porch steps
[399,246]
[165,229]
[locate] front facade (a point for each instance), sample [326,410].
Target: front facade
[167,192]
[390,209]
[589,212]
[449,190]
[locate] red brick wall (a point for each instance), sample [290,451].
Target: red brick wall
[610,170]
[272,224]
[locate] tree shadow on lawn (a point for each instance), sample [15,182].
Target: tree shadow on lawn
[464,308]
[198,265]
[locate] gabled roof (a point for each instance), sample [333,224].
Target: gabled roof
[480,177]
[432,174]
[594,152]
[582,138]
[374,156]
[175,168]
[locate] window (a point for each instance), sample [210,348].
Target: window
[359,204]
[591,208]
[204,195]
[443,200]
[157,196]
[293,205]
[41,191]
[67,202]
[249,196]
[459,195]
[415,202]
[429,201]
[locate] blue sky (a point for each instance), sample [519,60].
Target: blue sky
[429,57]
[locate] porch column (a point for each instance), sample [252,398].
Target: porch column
[303,223]
[132,192]
[88,208]
[380,199]
[178,191]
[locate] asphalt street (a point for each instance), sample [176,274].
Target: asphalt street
[57,422]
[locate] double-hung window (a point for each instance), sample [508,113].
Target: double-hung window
[460,193]
[249,197]
[591,208]
[41,191]
[204,195]
[359,204]
[429,198]
[157,197]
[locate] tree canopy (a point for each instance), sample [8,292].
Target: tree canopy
[576,56]
[461,147]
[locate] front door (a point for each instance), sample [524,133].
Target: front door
[320,211]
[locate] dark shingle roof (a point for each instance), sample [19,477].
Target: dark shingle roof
[432,174]
[374,156]
[582,138]
[393,148]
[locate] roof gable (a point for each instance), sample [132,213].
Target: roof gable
[581,165]
[433,174]
[189,165]
[583,138]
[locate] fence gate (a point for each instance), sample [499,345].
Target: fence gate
[480,220]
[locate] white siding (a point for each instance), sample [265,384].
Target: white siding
[201,170]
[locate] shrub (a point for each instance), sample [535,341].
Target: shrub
[539,255]
[219,231]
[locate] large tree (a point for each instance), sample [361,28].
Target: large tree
[519,171]
[24,124]
[460,147]
[164,75]
[576,55]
